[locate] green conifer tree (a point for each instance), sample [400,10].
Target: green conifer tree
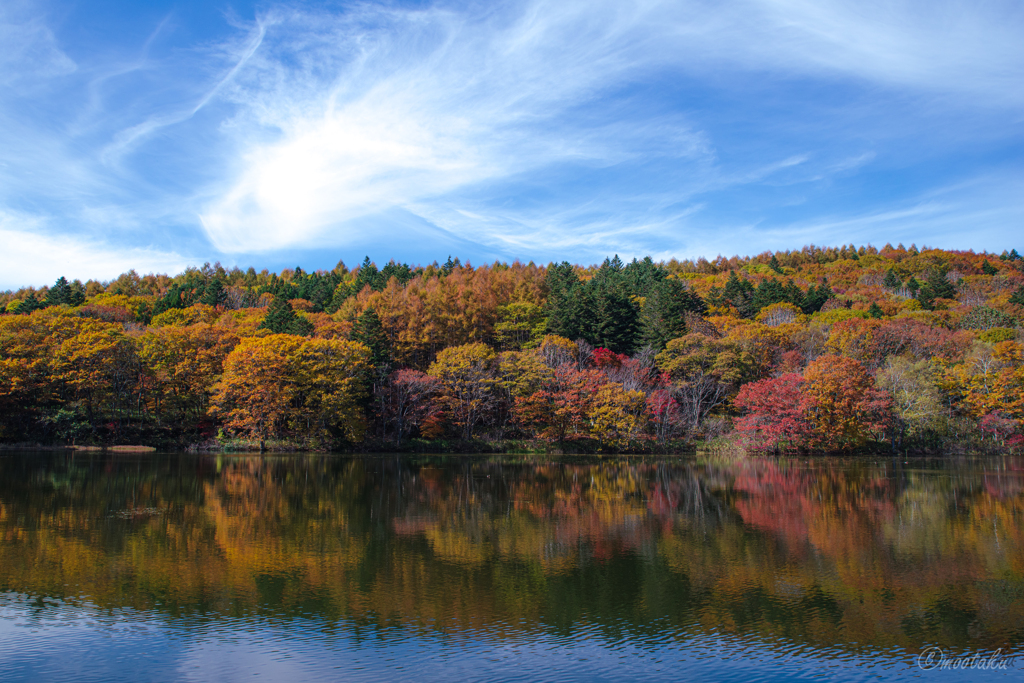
[663,316]
[936,287]
[281,319]
[891,281]
[368,330]
[60,293]
[215,294]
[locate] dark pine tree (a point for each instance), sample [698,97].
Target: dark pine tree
[892,280]
[281,319]
[739,293]
[617,318]
[215,294]
[368,275]
[368,330]
[936,287]
[28,304]
[663,316]
[816,297]
[570,308]
[60,294]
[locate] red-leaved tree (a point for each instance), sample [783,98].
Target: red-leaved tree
[774,418]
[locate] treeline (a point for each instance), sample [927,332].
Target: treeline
[827,349]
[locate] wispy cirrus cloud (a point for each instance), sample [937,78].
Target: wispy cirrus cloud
[511,129]
[441,111]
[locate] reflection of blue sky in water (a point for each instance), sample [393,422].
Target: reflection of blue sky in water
[60,642]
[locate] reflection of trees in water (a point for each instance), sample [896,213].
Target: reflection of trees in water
[813,551]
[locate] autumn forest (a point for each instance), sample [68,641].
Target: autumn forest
[817,349]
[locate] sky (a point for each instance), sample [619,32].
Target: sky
[162,134]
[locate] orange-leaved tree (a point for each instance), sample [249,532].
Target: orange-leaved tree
[255,394]
[330,378]
[560,409]
[844,407]
[95,365]
[185,363]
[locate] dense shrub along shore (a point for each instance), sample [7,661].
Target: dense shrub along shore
[828,349]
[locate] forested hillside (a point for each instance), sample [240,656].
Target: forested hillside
[822,348]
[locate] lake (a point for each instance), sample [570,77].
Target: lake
[303,567]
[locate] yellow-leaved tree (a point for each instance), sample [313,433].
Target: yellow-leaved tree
[185,363]
[618,417]
[467,384]
[331,380]
[283,383]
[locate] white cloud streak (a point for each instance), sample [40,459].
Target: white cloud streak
[520,126]
[30,51]
[378,108]
[34,254]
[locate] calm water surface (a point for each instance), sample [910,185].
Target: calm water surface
[206,568]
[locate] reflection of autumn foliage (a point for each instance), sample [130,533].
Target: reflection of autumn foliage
[824,552]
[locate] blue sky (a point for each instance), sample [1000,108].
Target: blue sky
[162,134]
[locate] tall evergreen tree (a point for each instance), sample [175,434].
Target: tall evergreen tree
[368,330]
[663,316]
[737,292]
[891,280]
[368,275]
[771,291]
[640,277]
[936,287]
[617,317]
[60,293]
[215,294]
[28,304]
[450,265]
[570,307]
[281,319]
[816,297]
